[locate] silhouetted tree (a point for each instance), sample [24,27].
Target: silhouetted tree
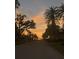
[59,11]
[52,14]
[22,24]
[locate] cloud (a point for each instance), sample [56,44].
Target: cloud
[35,1]
[40,24]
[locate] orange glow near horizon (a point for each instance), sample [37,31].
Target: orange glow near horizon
[40,25]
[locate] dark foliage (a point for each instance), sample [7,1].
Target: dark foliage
[22,24]
[53,32]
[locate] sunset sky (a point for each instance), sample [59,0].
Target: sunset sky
[35,9]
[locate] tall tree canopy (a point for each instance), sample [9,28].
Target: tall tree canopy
[52,14]
[21,23]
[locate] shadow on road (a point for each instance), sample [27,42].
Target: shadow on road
[36,50]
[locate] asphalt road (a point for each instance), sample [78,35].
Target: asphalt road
[36,50]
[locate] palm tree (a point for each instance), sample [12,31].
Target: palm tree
[59,11]
[52,14]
